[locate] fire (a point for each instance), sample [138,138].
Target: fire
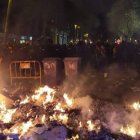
[47,89]
[2,106]
[21,128]
[80,124]
[53,117]
[136,106]
[15,130]
[43,119]
[59,112]
[76,137]
[90,125]
[93,126]
[35,97]
[6,114]
[49,98]
[58,107]
[26,100]
[69,102]
[63,118]
[41,91]
[25,127]
[129,130]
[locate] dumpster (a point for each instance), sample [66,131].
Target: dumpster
[52,71]
[72,67]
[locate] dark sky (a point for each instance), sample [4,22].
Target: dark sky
[75,11]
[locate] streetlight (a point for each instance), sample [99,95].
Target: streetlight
[77,27]
[7,17]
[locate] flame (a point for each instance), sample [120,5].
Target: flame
[69,102]
[90,126]
[2,106]
[21,128]
[35,97]
[63,118]
[49,98]
[15,130]
[60,117]
[76,137]
[47,89]
[53,117]
[25,127]
[136,106]
[80,124]
[129,130]
[6,114]
[58,107]
[26,100]
[43,119]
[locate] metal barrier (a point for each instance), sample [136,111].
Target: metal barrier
[25,70]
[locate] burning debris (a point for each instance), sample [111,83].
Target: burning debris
[46,115]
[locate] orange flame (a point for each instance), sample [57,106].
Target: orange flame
[60,117]
[129,130]
[58,107]
[6,114]
[26,100]
[136,106]
[69,101]
[90,126]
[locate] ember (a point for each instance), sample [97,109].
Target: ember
[136,106]
[59,117]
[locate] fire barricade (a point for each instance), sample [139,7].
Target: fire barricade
[52,71]
[25,70]
[72,67]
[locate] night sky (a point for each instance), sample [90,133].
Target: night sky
[87,13]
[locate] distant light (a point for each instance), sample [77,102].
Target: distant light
[86,35]
[77,40]
[118,41]
[75,26]
[22,37]
[21,41]
[91,42]
[78,27]
[71,41]
[136,41]
[86,41]
[30,38]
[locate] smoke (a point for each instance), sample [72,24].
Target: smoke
[107,96]
[78,90]
[85,104]
[120,116]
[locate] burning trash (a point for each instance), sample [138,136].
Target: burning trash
[45,115]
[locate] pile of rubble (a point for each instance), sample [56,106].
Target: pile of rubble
[47,115]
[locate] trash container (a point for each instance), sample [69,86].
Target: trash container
[52,71]
[72,67]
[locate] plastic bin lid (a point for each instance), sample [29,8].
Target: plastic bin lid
[72,58]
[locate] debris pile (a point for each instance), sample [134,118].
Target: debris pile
[48,115]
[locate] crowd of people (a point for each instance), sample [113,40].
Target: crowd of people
[97,55]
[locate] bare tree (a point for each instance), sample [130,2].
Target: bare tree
[123,19]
